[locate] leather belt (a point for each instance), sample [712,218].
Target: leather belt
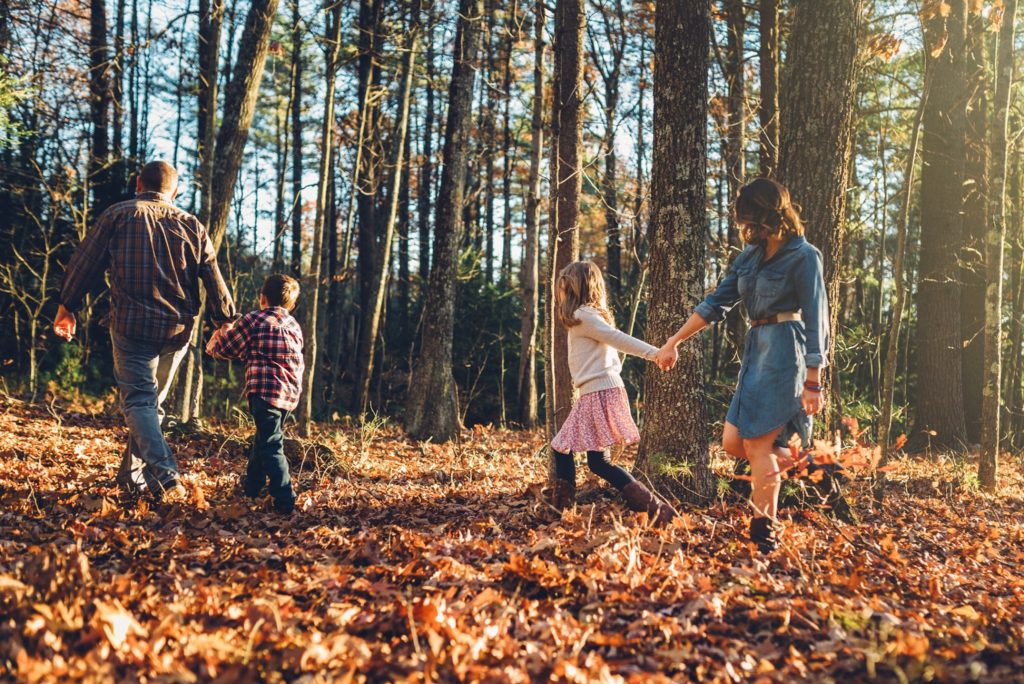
[776,318]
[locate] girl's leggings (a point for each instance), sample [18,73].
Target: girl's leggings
[600,464]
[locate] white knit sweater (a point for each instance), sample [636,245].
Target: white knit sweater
[593,352]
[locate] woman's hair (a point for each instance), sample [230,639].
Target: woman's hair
[581,284]
[764,209]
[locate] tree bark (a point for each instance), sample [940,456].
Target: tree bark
[368,333]
[99,108]
[566,186]
[296,113]
[735,145]
[988,464]
[769,74]
[433,405]
[674,441]
[312,282]
[939,402]
[527,395]
[976,225]
[426,184]
[817,104]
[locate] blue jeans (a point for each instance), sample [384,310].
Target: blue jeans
[267,460]
[144,372]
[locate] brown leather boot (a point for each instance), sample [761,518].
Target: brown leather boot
[765,534]
[640,499]
[563,494]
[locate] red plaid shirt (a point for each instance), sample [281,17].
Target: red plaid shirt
[270,342]
[157,254]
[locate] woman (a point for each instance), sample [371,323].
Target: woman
[779,278]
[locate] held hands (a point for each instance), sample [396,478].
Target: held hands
[667,356]
[64,325]
[216,336]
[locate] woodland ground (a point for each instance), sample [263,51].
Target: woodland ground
[441,562]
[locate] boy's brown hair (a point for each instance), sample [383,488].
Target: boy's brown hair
[281,290]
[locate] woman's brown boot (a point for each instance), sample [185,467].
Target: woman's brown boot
[563,494]
[765,534]
[640,499]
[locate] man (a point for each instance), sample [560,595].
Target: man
[157,254]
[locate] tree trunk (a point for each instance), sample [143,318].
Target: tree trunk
[990,418]
[1016,297]
[976,225]
[769,74]
[426,184]
[939,403]
[99,107]
[368,333]
[735,145]
[566,186]
[674,442]
[332,39]
[817,104]
[433,405]
[508,145]
[527,394]
[296,88]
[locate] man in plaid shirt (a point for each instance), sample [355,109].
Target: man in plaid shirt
[270,343]
[157,255]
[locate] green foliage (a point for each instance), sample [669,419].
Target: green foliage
[13,91]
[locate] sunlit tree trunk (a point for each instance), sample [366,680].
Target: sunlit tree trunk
[939,406]
[527,395]
[566,186]
[674,442]
[768,67]
[990,413]
[433,412]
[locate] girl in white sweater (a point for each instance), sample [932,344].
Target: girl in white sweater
[600,417]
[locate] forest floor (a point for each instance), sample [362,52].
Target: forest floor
[442,562]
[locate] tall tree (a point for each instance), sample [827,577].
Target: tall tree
[768,66]
[368,332]
[99,107]
[312,285]
[735,140]
[939,405]
[674,436]
[527,395]
[433,405]
[816,105]
[990,414]
[296,113]
[976,222]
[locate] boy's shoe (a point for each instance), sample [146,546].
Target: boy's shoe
[765,533]
[171,493]
[284,506]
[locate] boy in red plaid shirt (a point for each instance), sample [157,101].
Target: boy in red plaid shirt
[270,343]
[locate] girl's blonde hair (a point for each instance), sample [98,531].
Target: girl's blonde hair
[765,209]
[581,283]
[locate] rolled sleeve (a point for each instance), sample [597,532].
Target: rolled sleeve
[725,296]
[220,303]
[810,285]
[87,264]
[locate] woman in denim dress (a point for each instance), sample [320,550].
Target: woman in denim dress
[779,279]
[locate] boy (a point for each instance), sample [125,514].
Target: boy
[270,343]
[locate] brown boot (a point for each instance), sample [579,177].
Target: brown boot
[563,494]
[765,534]
[640,499]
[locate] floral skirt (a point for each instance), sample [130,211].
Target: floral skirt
[597,420]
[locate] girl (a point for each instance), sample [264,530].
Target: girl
[600,417]
[779,278]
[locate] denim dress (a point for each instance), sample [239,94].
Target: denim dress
[776,356]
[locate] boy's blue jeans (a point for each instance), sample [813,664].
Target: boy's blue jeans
[144,371]
[267,460]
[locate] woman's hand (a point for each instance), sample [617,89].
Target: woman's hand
[812,402]
[667,356]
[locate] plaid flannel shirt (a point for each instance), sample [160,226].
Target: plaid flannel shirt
[157,254]
[270,342]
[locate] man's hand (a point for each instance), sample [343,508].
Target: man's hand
[65,325]
[667,356]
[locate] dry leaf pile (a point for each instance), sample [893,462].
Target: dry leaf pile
[442,562]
